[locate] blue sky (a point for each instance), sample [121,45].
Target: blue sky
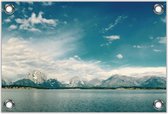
[113,35]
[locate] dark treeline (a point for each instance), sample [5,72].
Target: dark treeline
[39,87]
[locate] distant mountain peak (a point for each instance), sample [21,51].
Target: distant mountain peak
[38,79]
[77,82]
[36,76]
[95,82]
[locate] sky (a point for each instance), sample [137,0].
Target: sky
[85,39]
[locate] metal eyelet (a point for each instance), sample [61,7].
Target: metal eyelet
[9,9]
[9,104]
[158,104]
[158,9]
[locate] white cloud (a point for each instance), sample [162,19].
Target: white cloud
[119,56]
[140,71]
[139,46]
[7,20]
[156,50]
[40,20]
[12,27]
[31,22]
[33,29]
[110,40]
[162,40]
[30,2]
[143,46]
[21,56]
[116,22]
[47,3]
[112,37]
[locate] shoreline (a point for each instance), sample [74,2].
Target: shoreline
[80,88]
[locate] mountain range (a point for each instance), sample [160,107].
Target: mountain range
[36,79]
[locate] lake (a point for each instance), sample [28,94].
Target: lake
[82,100]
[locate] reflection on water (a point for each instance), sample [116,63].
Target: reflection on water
[38,100]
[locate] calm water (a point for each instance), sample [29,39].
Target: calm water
[35,100]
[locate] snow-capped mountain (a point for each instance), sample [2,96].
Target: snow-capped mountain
[120,81]
[51,83]
[35,79]
[156,82]
[36,76]
[77,82]
[5,82]
[25,83]
[95,82]
[143,82]
[38,79]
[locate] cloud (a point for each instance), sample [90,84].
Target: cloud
[139,46]
[7,20]
[21,56]
[115,23]
[30,2]
[47,3]
[156,50]
[143,46]
[162,40]
[12,27]
[140,71]
[119,56]
[112,37]
[31,22]
[55,58]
